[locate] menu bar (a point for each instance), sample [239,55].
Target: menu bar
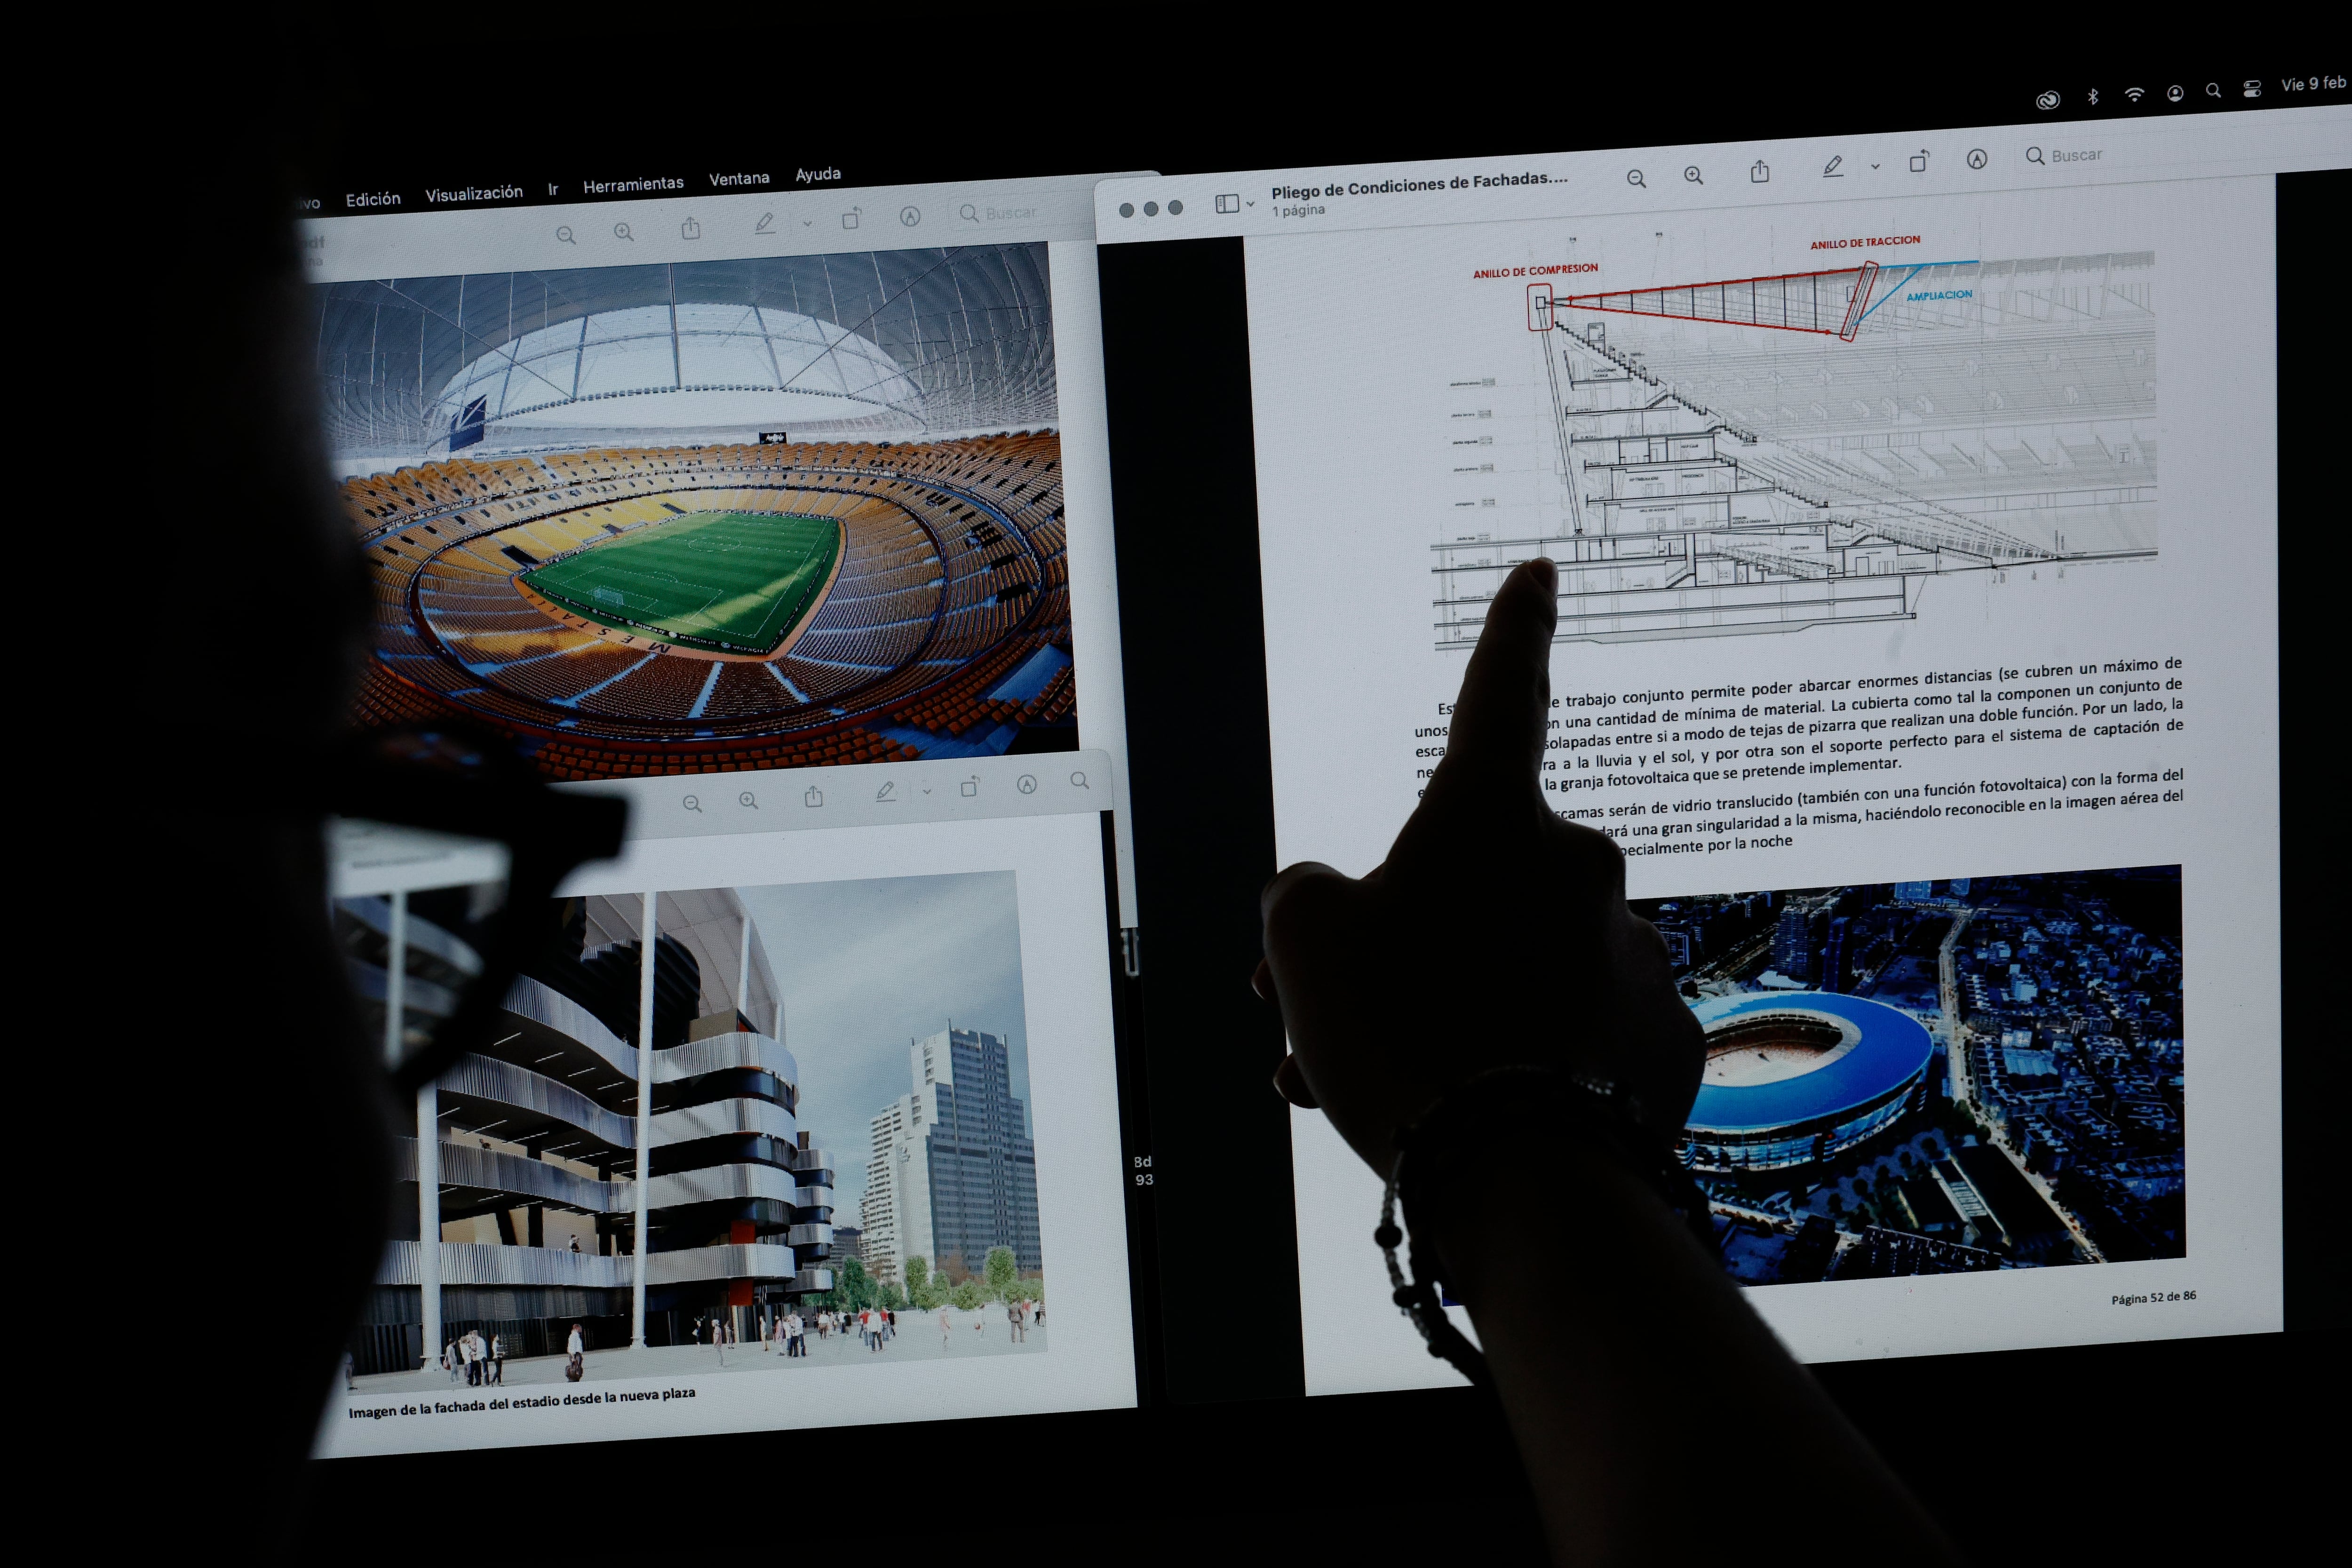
[705,227]
[1697,175]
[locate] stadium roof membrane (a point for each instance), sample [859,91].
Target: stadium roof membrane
[1894,1048]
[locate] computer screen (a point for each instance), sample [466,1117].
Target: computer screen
[780,510]
[964,582]
[1914,500]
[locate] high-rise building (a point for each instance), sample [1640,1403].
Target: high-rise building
[1834,955]
[1793,946]
[894,1216]
[953,1173]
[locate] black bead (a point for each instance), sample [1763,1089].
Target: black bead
[1403,1296]
[1388,1237]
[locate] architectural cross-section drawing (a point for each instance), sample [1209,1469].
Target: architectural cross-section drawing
[1768,454]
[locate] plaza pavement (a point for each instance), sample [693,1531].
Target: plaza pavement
[917,1339]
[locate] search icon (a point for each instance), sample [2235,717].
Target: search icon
[745,799]
[1079,780]
[694,802]
[564,234]
[2034,155]
[968,212]
[2213,89]
[621,231]
[1633,177]
[1691,174]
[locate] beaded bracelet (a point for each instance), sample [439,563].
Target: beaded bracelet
[1609,1117]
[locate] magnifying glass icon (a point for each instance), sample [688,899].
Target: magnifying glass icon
[969,213]
[693,802]
[1633,177]
[564,234]
[1079,780]
[621,231]
[745,799]
[2034,155]
[1691,174]
[2213,89]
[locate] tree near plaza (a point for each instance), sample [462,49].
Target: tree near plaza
[1002,1271]
[967,1295]
[853,1290]
[925,1290]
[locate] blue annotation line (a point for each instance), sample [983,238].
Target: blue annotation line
[1917,269]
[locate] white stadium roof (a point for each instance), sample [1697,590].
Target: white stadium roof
[880,345]
[690,366]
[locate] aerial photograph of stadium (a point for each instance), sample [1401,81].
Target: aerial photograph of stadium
[680,518]
[1937,1077]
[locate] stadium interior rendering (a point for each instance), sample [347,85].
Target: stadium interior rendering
[746,514]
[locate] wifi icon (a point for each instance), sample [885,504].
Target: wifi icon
[2135,93]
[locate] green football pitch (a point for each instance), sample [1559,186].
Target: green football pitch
[739,581]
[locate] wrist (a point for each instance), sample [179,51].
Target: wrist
[1484,1192]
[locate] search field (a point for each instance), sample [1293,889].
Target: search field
[989,214]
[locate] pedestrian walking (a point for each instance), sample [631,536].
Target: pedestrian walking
[575,1357]
[451,1360]
[349,1386]
[945,1328]
[498,1360]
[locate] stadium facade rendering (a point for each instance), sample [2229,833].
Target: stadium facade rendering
[625,1153]
[747,514]
[1795,1077]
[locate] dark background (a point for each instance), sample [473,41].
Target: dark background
[2031,1455]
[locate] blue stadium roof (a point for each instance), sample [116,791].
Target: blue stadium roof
[1895,1046]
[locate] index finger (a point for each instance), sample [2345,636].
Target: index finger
[1496,740]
